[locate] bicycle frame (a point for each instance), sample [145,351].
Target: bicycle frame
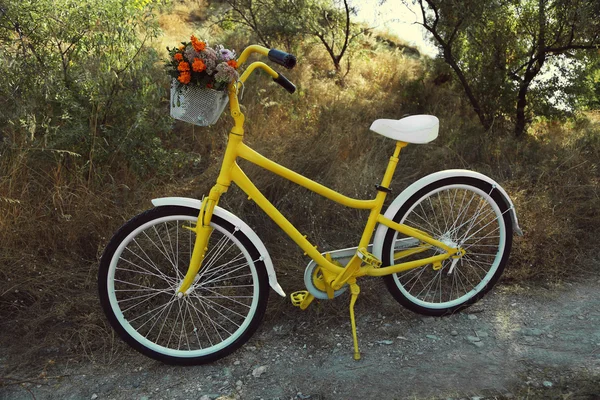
[231,172]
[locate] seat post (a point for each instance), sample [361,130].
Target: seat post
[383,190]
[391,168]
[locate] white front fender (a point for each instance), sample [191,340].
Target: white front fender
[416,186]
[226,215]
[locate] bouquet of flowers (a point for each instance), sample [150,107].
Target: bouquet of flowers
[194,63]
[200,75]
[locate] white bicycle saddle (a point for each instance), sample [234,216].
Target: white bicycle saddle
[417,129]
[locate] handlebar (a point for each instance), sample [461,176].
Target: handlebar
[280,57]
[285,83]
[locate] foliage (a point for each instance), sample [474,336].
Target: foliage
[589,98]
[82,119]
[289,22]
[499,48]
[79,76]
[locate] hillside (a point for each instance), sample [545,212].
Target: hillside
[87,142]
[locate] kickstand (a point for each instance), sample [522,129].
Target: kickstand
[354,290]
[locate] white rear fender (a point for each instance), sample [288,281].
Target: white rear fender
[226,215]
[416,186]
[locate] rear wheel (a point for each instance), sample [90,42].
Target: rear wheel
[461,212]
[144,264]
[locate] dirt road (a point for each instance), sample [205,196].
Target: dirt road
[516,343]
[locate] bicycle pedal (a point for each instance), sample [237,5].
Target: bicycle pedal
[368,258]
[298,297]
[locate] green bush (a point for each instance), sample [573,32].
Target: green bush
[79,76]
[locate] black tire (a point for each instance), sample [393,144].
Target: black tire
[472,275]
[150,255]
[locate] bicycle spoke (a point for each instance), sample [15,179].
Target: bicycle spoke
[156,246]
[219,295]
[433,228]
[150,295]
[221,279]
[213,323]
[211,303]
[174,324]
[166,252]
[416,273]
[168,280]
[218,252]
[200,322]
[415,225]
[237,268]
[195,330]
[440,201]
[463,215]
[428,286]
[214,271]
[459,213]
[146,313]
[136,285]
[474,267]
[140,303]
[172,251]
[418,279]
[494,220]
[156,318]
[144,290]
[148,261]
[466,278]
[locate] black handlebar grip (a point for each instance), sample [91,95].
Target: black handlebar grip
[285,83]
[282,58]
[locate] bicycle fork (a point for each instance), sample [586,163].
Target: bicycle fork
[203,231]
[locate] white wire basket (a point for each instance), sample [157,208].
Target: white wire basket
[197,105]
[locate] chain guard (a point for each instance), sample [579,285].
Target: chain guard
[313,280]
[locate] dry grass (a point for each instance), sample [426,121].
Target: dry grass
[181,18]
[54,224]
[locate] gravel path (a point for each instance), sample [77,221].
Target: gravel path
[515,343]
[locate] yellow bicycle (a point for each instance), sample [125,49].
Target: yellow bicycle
[187,282]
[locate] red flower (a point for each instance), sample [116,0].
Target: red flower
[198,45]
[184,77]
[198,65]
[183,66]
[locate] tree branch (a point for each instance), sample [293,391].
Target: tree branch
[347,33]
[564,49]
[455,31]
[327,47]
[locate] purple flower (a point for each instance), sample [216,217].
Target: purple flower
[227,55]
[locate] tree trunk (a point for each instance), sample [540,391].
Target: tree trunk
[532,70]
[520,121]
[483,118]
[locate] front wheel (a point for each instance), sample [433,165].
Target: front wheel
[142,268]
[461,212]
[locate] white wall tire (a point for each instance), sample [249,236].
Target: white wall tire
[142,267]
[476,217]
